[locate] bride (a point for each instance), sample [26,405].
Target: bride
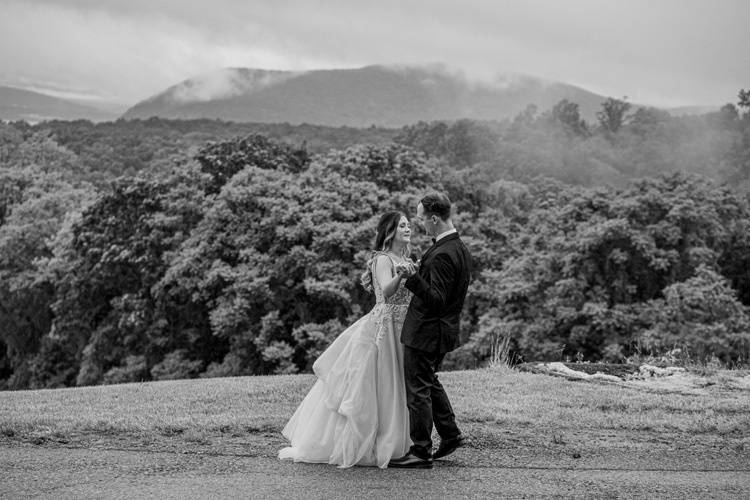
[356,414]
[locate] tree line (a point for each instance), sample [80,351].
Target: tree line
[243,256]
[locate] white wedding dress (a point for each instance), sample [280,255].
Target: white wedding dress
[356,414]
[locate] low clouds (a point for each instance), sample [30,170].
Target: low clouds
[225,83]
[669,52]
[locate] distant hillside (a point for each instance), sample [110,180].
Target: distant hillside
[33,107]
[692,110]
[373,95]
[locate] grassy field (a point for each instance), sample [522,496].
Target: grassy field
[497,408]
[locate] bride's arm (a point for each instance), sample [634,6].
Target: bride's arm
[384,273]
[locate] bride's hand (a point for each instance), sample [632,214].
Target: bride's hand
[401,270]
[407,269]
[404,270]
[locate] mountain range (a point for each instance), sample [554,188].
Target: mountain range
[387,96]
[390,96]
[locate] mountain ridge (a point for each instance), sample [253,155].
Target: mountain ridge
[390,96]
[375,95]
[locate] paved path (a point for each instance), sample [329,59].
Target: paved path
[29,471]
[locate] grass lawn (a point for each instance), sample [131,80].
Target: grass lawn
[498,408]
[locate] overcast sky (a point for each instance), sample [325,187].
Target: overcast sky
[659,52]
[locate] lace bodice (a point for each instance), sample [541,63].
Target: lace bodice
[402,295]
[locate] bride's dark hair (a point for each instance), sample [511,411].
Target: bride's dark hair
[387,226]
[387,229]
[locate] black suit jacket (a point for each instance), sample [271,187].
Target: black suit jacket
[439,287]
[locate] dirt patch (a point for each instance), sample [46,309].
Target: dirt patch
[647,377]
[618,370]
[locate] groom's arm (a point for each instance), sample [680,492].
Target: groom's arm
[435,292]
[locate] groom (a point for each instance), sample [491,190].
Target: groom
[430,331]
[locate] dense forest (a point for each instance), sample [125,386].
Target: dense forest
[156,249]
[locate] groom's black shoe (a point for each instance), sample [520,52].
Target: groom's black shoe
[448,446]
[411,461]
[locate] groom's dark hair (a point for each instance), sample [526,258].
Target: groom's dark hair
[437,204]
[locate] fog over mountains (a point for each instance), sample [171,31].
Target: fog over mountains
[388,96]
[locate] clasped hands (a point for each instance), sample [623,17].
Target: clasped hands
[407,269]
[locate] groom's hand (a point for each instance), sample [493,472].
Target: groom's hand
[402,270]
[411,269]
[405,270]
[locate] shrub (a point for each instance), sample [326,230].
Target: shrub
[701,315]
[176,365]
[134,370]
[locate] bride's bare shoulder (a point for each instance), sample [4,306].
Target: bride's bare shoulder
[383,265]
[382,258]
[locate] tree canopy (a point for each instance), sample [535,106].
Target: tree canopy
[156,249]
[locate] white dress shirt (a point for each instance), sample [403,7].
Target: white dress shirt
[444,234]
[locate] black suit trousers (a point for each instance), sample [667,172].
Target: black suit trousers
[427,401]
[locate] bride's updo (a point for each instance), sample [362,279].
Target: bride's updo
[386,231]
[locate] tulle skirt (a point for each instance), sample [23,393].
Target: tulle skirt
[355,414]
